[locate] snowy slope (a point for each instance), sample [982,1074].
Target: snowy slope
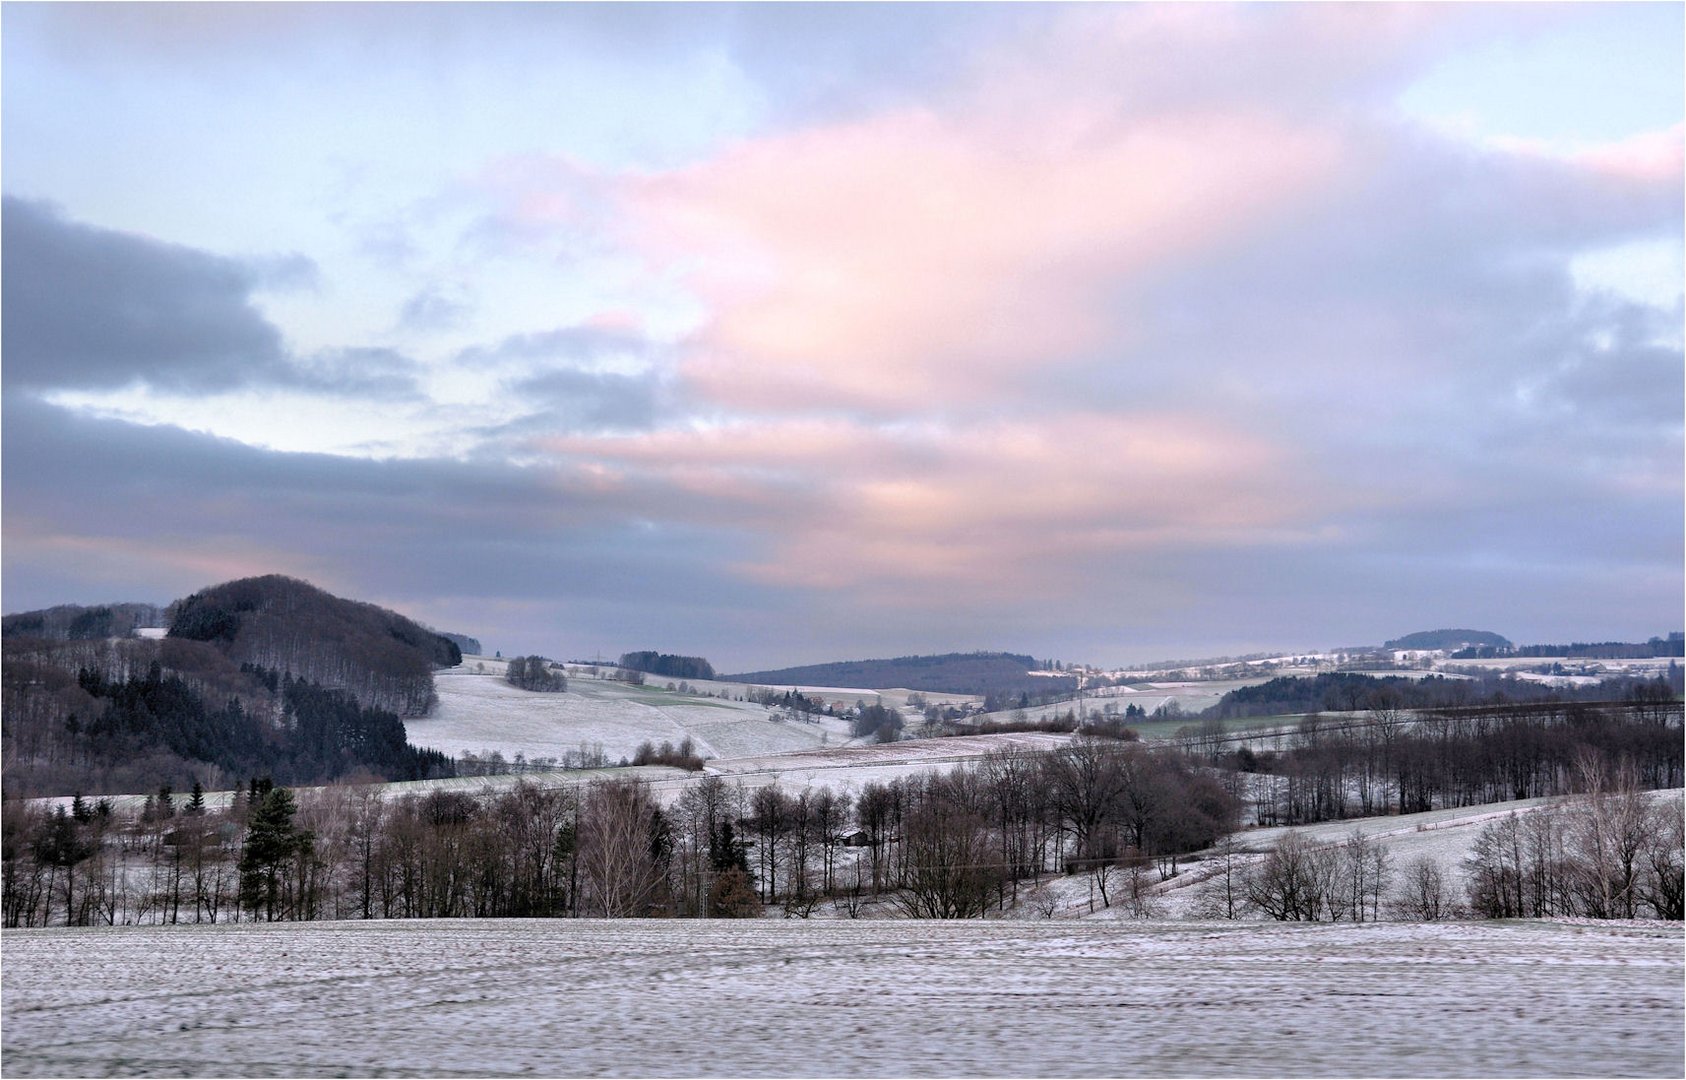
[479,712]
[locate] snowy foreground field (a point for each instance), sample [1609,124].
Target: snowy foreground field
[760,998]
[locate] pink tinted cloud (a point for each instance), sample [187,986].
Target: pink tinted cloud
[988,508]
[124,560]
[1649,157]
[881,262]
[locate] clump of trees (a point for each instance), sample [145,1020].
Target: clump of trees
[537,674]
[683,756]
[670,666]
[878,722]
[1611,854]
[1299,881]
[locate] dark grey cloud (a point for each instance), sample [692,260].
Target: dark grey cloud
[557,378]
[531,558]
[90,308]
[86,308]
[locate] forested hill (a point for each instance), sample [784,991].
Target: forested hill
[1448,640]
[949,673]
[266,676]
[1351,692]
[287,625]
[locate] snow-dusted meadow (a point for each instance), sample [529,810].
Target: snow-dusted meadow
[795,998]
[480,712]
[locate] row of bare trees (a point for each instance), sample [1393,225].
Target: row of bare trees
[942,845]
[938,845]
[1613,852]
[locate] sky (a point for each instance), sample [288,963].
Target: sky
[779,334]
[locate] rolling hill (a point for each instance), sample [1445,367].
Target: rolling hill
[949,673]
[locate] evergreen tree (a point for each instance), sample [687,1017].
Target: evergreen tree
[271,840]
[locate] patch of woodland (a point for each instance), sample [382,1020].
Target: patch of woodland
[1449,639]
[467,646]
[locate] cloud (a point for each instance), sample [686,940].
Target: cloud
[983,512]
[887,262]
[573,346]
[432,309]
[90,308]
[572,400]
[98,508]
[1142,323]
[373,373]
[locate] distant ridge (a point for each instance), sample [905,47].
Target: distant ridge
[1449,640]
[948,673]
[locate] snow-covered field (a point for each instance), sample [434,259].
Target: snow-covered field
[479,712]
[794,998]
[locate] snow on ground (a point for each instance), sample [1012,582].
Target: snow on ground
[478,712]
[805,998]
[847,769]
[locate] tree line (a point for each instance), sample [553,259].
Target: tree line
[1389,760]
[72,622]
[942,845]
[957,844]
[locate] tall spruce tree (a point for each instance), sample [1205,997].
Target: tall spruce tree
[271,840]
